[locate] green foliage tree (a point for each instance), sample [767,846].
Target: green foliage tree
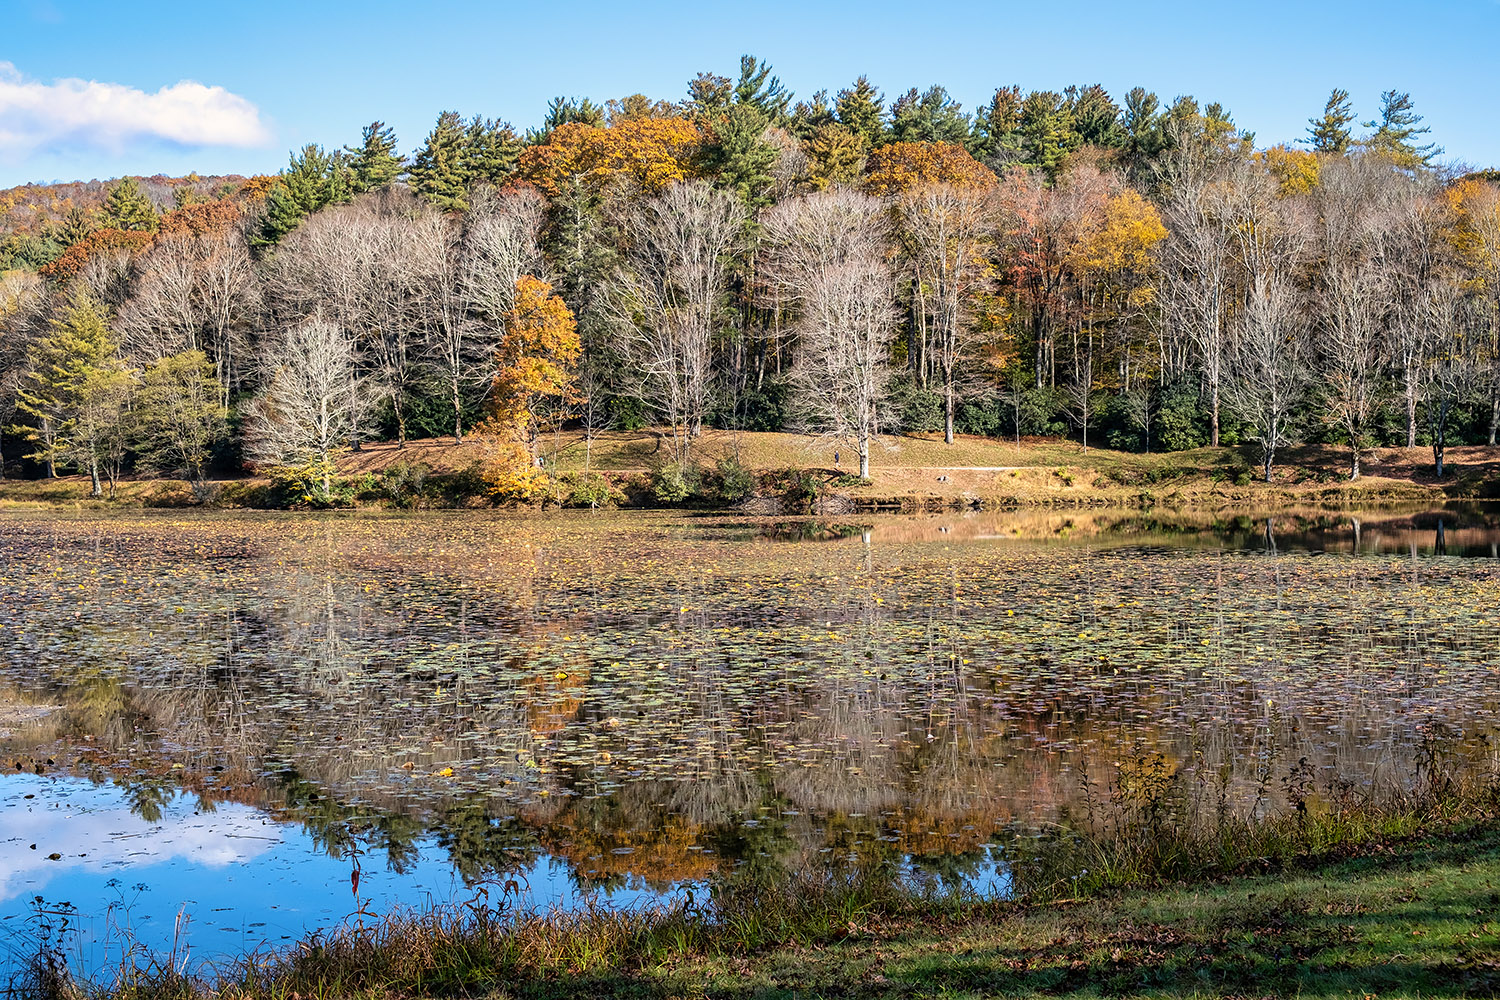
[374,162]
[1046,129]
[77,391]
[810,115]
[313,179]
[568,110]
[127,207]
[1144,134]
[739,157]
[759,89]
[491,149]
[1395,131]
[931,116]
[859,108]
[438,171]
[835,155]
[1095,117]
[995,134]
[1329,132]
[179,416]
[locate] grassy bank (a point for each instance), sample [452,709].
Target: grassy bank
[911,473]
[1400,901]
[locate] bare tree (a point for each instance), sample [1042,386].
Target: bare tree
[311,398]
[945,228]
[1269,372]
[827,257]
[1199,274]
[193,292]
[667,296]
[501,243]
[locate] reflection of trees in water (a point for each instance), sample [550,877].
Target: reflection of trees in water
[371,662]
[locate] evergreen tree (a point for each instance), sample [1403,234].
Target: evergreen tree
[932,116]
[762,91]
[709,94]
[76,391]
[994,135]
[75,225]
[313,178]
[374,163]
[127,207]
[739,157]
[1047,135]
[1394,132]
[810,115]
[566,111]
[1095,116]
[439,171]
[859,109]
[1144,134]
[1330,133]
[834,156]
[491,149]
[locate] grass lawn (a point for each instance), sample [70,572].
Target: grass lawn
[1420,921]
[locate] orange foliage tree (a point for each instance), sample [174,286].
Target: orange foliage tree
[537,361]
[901,166]
[67,267]
[654,153]
[201,219]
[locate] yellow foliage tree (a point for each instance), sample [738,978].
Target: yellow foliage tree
[537,361]
[1295,170]
[654,153]
[901,166]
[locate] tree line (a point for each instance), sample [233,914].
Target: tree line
[1136,273]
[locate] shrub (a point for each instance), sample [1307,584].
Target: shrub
[403,483]
[670,483]
[314,485]
[734,482]
[593,491]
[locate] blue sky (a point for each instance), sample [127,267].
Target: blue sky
[98,89]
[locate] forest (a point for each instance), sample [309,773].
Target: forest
[1135,274]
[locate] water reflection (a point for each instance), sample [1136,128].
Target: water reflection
[630,702]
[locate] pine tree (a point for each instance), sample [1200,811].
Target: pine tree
[1095,116]
[76,391]
[1145,135]
[810,115]
[374,163]
[313,178]
[994,134]
[1047,135]
[739,157]
[127,207]
[932,116]
[834,156]
[1330,133]
[491,149]
[1394,132]
[438,170]
[565,111]
[762,91]
[859,109]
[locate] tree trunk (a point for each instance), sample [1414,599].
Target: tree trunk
[948,408]
[94,475]
[1270,457]
[458,416]
[1213,418]
[864,457]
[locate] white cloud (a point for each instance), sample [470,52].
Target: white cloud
[69,113]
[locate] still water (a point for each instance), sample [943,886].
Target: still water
[267,725]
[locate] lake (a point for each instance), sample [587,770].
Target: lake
[225,730]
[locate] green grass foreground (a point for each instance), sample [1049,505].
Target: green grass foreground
[1418,917]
